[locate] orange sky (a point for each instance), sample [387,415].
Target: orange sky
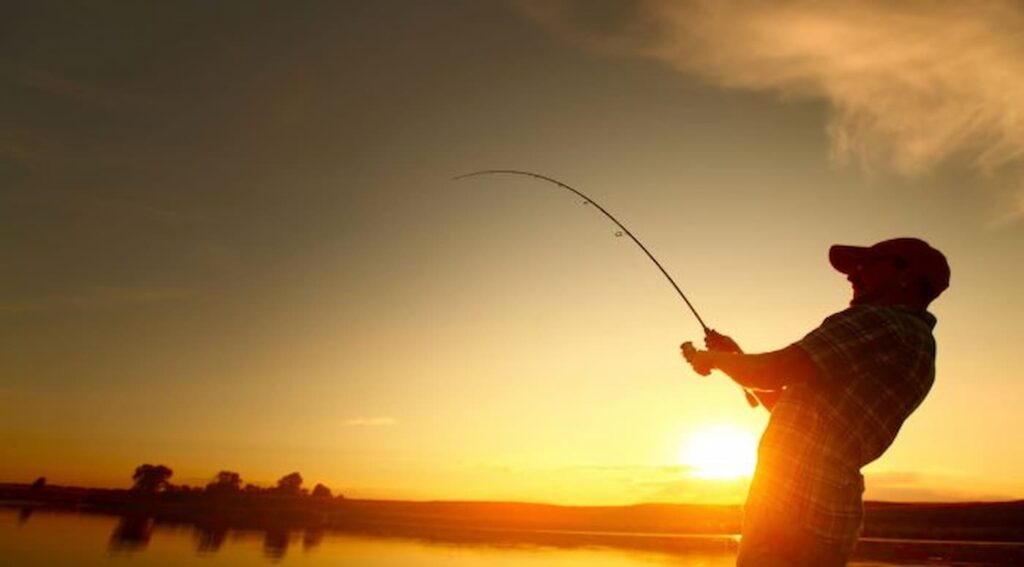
[231,241]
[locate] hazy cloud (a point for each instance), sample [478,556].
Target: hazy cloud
[677,483]
[81,91]
[1012,209]
[96,297]
[909,84]
[673,483]
[379,421]
[21,146]
[900,486]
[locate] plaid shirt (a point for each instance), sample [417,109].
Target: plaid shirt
[875,366]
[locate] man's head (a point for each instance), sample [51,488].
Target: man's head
[904,271]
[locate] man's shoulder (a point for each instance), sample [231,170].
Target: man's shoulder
[849,332]
[858,317]
[869,313]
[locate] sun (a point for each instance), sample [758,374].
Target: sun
[720,453]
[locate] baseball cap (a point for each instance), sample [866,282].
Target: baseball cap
[926,262]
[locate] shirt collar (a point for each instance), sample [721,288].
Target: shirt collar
[921,314]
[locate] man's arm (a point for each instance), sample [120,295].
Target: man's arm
[767,371]
[715,341]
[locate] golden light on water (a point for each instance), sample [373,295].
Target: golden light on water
[720,452]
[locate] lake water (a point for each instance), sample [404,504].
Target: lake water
[63,538]
[54,538]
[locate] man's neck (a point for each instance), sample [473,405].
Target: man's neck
[892,301]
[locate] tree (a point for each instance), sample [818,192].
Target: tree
[39,484]
[151,478]
[321,491]
[226,482]
[290,484]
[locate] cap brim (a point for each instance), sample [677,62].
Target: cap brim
[846,258]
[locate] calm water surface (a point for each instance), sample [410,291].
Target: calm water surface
[62,538]
[65,538]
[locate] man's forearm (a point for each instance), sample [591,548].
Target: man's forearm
[768,371]
[749,370]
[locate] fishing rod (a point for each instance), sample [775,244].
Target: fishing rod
[708,332]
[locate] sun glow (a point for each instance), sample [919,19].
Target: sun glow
[720,453]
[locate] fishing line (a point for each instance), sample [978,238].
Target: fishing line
[588,201]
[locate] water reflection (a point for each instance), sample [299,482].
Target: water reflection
[51,538]
[132,533]
[275,543]
[312,538]
[210,538]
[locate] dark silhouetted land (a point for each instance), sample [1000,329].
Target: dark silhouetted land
[978,532]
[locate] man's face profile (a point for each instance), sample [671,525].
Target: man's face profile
[875,278]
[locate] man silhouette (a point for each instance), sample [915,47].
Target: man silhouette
[838,397]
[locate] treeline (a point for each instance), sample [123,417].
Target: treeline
[155,479]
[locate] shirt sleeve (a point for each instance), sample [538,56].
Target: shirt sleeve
[848,340]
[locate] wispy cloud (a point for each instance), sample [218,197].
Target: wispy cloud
[26,147]
[640,483]
[30,144]
[95,297]
[910,84]
[378,421]
[1011,210]
[114,206]
[83,92]
[902,486]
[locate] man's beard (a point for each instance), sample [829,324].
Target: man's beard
[868,297]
